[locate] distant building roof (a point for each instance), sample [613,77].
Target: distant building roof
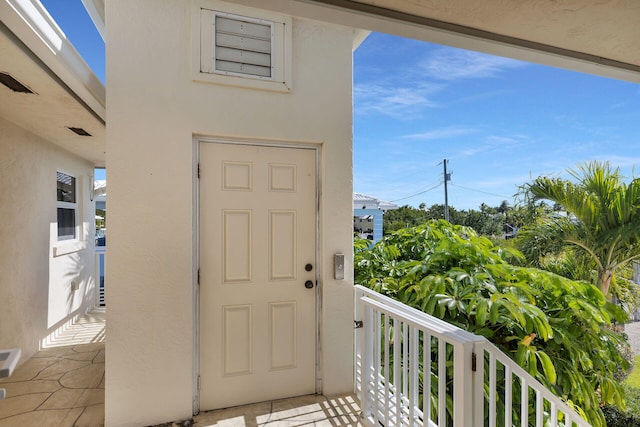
[362,201]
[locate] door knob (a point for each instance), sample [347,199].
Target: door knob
[308,284]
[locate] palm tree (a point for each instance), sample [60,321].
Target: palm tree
[606,228]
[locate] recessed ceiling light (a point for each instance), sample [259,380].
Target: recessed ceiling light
[13,84]
[79,131]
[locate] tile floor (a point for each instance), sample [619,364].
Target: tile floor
[310,411]
[62,385]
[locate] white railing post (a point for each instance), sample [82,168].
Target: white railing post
[357,374]
[463,385]
[478,383]
[96,278]
[366,380]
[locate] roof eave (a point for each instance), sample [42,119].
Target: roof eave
[33,25]
[95,9]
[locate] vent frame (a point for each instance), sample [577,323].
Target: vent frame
[14,84]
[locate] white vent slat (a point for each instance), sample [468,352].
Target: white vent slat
[235,67]
[243,28]
[243,56]
[242,46]
[243,43]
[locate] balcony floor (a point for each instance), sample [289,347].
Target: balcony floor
[63,386]
[311,411]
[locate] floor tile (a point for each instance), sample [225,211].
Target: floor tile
[71,417]
[86,348]
[62,366]
[237,416]
[28,387]
[21,404]
[58,352]
[53,418]
[90,397]
[88,376]
[62,399]
[83,357]
[92,416]
[30,369]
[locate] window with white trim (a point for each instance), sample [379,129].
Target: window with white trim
[241,46]
[67,206]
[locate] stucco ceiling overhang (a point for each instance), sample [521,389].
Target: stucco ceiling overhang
[597,37]
[34,51]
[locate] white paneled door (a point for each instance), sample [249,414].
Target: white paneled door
[257,273]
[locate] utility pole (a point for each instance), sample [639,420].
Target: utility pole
[447,177]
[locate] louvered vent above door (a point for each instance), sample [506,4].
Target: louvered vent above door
[243,46]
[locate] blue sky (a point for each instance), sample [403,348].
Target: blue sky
[498,121]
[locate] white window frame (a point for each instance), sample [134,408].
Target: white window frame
[203,46]
[68,205]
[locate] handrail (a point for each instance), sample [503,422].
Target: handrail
[465,378]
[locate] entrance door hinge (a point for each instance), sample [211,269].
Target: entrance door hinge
[473,362]
[198,383]
[198,279]
[358,324]
[198,170]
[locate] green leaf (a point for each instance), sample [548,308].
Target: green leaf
[547,366]
[482,311]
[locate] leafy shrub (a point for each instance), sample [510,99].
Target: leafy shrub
[558,329]
[630,417]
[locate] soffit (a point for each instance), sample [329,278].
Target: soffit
[51,109]
[34,51]
[606,28]
[600,37]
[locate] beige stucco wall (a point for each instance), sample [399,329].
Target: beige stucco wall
[36,296]
[154,109]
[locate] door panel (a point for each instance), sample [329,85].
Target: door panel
[257,233]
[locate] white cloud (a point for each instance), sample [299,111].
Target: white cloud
[394,100]
[443,133]
[454,64]
[494,143]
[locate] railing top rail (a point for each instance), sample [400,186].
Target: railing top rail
[450,333]
[420,317]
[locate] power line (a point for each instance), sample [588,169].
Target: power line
[417,194]
[480,191]
[398,185]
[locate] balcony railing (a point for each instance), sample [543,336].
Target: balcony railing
[101,262]
[413,369]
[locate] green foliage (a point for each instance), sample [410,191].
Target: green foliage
[630,417]
[605,223]
[102,221]
[633,380]
[557,329]
[488,221]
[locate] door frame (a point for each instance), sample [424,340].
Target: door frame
[197,139]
